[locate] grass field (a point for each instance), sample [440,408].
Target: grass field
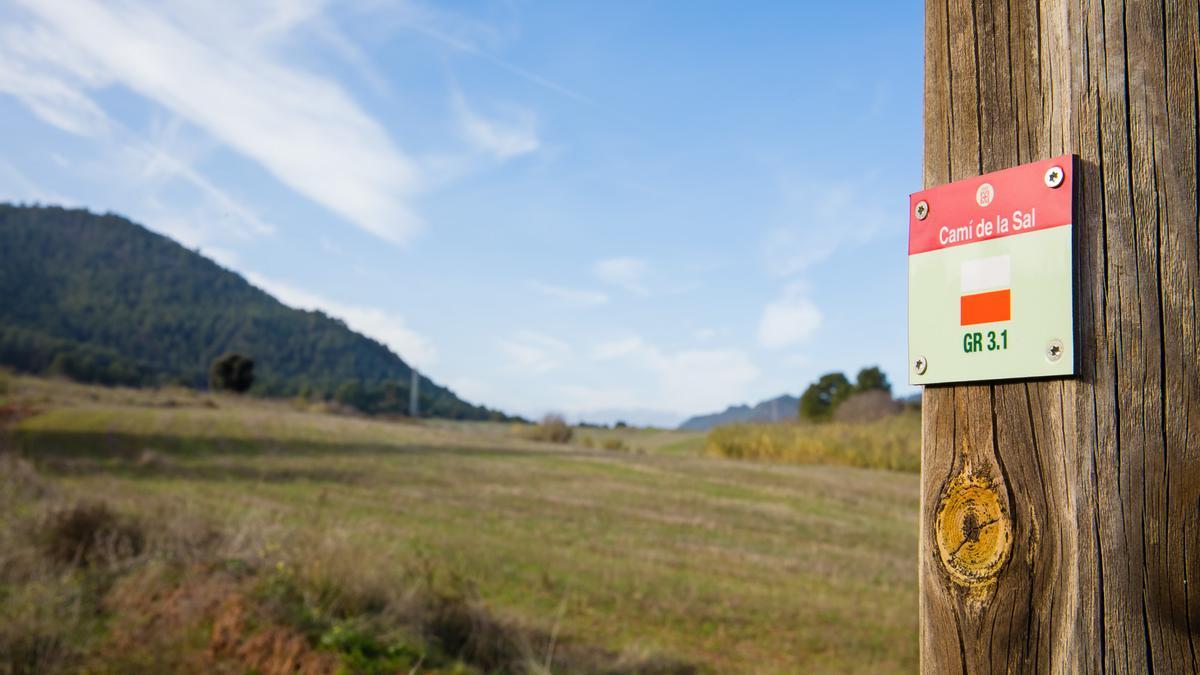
[659,557]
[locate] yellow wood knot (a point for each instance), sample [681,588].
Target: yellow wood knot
[974,534]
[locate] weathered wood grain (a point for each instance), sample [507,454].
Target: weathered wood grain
[1097,478]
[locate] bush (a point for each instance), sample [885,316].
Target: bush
[232,372]
[552,429]
[615,444]
[89,533]
[867,406]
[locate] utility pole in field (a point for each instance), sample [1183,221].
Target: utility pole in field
[414,394]
[1060,517]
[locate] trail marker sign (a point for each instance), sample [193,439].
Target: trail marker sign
[990,276]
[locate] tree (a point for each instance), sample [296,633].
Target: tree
[871,379]
[818,401]
[350,393]
[232,372]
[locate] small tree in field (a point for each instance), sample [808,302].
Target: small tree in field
[872,379]
[818,401]
[232,372]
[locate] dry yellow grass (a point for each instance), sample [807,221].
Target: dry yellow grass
[892,443]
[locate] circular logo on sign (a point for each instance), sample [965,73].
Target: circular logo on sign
[985,194]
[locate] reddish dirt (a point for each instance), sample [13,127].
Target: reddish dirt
[156,622]
[272,651]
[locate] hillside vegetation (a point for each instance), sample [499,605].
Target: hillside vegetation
[223,534]
[101,299]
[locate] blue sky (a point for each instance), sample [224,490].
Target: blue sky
[613,210]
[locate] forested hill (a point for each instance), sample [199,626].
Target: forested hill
[101,299]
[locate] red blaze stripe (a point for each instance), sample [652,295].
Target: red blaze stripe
[986,307]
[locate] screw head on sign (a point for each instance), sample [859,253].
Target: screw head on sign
[920,365]
[1054,350]
[1054,176]
[922,209]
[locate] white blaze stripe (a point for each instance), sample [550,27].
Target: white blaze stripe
[986,274]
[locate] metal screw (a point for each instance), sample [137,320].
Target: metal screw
[920,365]
[922,209]
[1054,350]
[1054,177]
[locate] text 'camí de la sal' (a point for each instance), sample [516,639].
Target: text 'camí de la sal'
[987,228]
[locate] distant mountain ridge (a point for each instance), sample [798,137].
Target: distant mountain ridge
[779,408]
[102,299]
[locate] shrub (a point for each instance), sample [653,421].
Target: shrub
[89,533]
[615,444]
[867,406]
[232,372]
[552,429]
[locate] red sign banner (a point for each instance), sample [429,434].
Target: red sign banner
[1027,198]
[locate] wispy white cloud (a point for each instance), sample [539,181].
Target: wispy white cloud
[146,177]
[790,319]
[452,31]
[627,273]
[685,381]
[223,76]
[503,138]
[17,187]
[825,217]
[533,353]
[54,101]
[571,296]
[155,163]
[384,326]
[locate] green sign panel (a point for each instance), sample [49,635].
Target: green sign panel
[990,277]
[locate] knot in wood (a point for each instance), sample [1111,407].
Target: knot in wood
[974,534]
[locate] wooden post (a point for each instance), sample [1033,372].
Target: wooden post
[1060,519]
